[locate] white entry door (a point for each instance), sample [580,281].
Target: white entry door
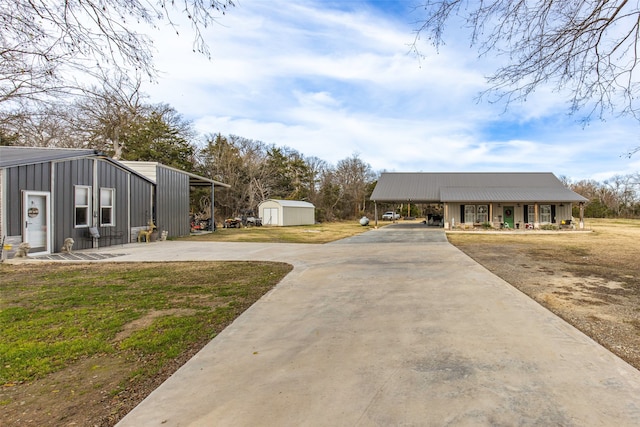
[36,214]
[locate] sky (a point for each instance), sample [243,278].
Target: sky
[333,79]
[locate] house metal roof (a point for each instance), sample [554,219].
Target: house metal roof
[422,187]
[17,156]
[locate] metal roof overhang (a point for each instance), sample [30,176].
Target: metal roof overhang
[200,181]
[508,194]
[19,156]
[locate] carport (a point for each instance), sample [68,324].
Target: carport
[409,188]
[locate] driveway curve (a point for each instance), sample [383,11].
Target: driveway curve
[392,327]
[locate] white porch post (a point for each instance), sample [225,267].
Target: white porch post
[375,212]
[447,223]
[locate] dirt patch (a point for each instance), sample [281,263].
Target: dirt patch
[148,319]
[590,280]
[82,394]
[74,396]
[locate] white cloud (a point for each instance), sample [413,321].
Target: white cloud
[330,83]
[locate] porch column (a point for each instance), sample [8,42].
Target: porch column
[581,215]
[536,218]
[375,213]
[491,213]
[447,223]
[213,219]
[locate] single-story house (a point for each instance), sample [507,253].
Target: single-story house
[50,194]
[514,200]
[286,212]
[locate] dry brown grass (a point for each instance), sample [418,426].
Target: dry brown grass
[592,279]
[316,233]
[611,247]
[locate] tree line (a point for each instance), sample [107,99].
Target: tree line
[616,197]
[115,120]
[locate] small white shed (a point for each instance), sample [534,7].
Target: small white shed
[286,212]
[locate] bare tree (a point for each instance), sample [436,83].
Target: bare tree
[42,41]
[107,113]
[588,47]
[354,175]
[45,126]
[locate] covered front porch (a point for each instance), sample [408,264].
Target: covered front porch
[511,215]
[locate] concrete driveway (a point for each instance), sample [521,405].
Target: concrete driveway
[392,327]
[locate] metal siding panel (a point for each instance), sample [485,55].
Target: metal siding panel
[111,176]
[172,202]
[21,178]
[63,206]
[297,215]
[141,203]
[67,175]
[13,202]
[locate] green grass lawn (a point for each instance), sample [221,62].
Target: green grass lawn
[54,314]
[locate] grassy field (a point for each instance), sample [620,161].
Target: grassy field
[317,233]
[82,343]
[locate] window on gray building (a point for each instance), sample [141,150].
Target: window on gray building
[82,201]
[107,201]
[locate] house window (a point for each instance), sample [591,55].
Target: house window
[470,213]
[107,200]
[531,213]
[82,202]
[482,213]
[545,213]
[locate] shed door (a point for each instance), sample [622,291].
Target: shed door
[36,221]
[270,216]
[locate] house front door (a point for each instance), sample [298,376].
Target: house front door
[36,215]
[507,214]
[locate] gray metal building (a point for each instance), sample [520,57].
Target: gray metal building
[48,195]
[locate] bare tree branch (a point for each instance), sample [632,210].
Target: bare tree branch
[586,47]
[42,42]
